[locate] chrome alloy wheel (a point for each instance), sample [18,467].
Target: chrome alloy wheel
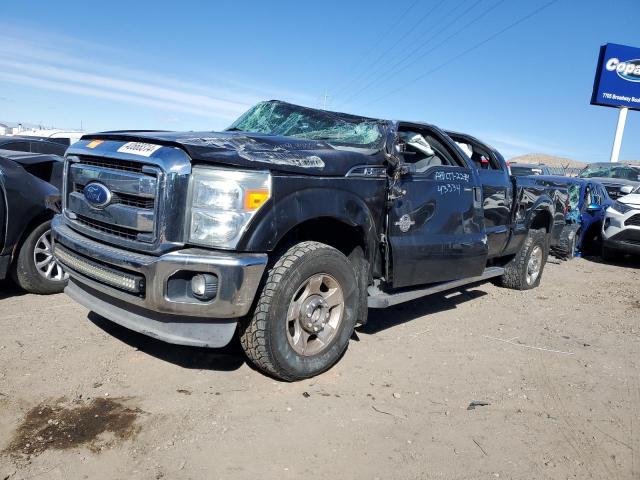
[315,314]
[534,265]
[45,262]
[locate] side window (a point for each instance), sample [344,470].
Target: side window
[481,157]
[16,146]
[424,150]
[48,147]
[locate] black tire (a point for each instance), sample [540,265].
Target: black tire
[264,333]
[610,255]
[25,272]
[566,248]
[515,275]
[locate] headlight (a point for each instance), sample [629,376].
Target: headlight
[222,202]
[621,207]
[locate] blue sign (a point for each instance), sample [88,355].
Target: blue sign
[97,194]
[617,82]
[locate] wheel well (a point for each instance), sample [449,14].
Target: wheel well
[327,230]
[43,217]
[542,219]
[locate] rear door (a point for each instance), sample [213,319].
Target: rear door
[435,227]
[497,190]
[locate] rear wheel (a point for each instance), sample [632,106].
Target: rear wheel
[609,255]
[524,271]
[305,315]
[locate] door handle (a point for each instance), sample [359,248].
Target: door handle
[477,196]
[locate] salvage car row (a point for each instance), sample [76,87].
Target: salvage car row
[285,228]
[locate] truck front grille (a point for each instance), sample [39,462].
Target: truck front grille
[114,230]
[124,198]
[115,164]
[129,218]
[145,197]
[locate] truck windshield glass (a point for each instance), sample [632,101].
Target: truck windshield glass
[279,118]
[574,196]
[617,171]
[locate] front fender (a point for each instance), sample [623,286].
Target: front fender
[26,201]
[288,210]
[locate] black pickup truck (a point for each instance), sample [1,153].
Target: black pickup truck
[287,226]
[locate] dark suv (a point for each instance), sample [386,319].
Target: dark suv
[51,146]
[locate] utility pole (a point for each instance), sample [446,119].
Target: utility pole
[326,96]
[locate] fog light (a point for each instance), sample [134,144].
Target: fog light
[204,286]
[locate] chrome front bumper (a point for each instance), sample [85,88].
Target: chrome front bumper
[182,320]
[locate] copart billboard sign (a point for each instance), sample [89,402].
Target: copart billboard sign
[617,82]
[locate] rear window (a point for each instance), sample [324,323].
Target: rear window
[520,171]
[16,146]
[48,148]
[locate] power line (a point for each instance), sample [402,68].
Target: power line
[407,33]
[375,45]
[465,52]
[390,72]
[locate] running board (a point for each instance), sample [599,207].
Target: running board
[380,299]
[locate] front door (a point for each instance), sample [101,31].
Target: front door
[436,227]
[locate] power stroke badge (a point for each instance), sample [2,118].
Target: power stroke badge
[405,223]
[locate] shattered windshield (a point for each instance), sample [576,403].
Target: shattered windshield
[279,118]
[574,196]
[611,171]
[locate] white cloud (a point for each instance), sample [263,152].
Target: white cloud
[511,146]
[65,64]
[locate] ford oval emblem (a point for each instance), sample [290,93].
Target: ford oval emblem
[97,194]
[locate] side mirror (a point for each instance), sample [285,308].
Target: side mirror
[594,207]
[626,189]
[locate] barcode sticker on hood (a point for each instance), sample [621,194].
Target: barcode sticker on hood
[139,148]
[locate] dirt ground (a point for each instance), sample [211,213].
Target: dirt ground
[555,371]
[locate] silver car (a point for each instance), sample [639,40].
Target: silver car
[621,228]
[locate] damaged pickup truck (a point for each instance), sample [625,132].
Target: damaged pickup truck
[285,228]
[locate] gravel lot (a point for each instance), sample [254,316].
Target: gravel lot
[557,368]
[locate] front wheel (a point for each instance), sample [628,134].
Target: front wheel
[567,244]
[305,315]
[524,271]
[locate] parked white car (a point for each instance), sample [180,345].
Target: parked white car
[621,227]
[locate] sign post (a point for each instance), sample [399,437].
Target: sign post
[617,84]
[617,140]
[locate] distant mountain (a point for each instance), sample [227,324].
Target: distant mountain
[547,160]
[553,161]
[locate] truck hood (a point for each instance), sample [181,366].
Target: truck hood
[256,151]
[613,182]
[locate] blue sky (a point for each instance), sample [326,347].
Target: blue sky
[197,65]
